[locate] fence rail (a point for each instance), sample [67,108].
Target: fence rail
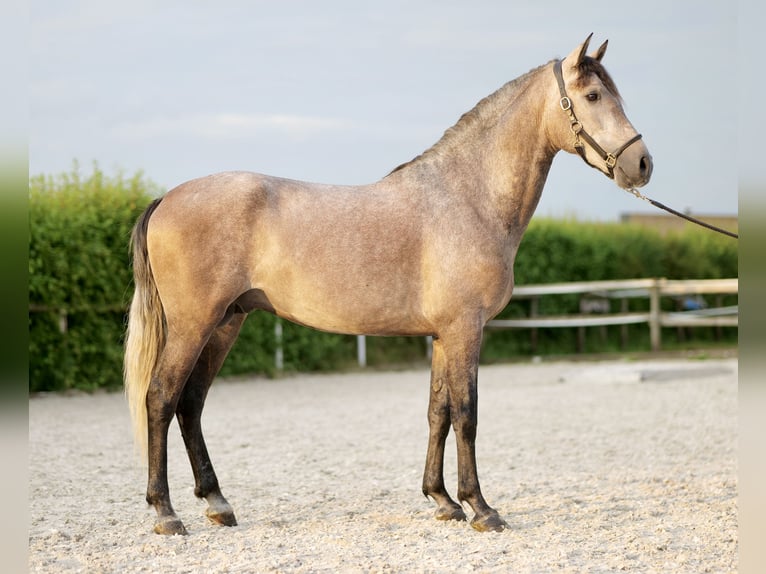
[654,289]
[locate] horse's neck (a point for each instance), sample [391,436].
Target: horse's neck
[517,167]
[500,159]
[518,155]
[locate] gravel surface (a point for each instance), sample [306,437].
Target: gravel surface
[596,467]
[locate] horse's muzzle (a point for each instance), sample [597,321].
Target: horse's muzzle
[634,167]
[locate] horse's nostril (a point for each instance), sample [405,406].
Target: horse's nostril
[645,166]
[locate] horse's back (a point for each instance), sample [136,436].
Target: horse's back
[213,197]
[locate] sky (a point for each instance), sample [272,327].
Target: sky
[342,91]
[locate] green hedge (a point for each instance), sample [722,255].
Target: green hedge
[303,349]
[78,262]
[555,251]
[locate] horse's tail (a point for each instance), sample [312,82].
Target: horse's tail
[146,331]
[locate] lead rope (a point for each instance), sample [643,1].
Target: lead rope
[639,195]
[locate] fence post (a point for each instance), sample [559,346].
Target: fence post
[279,354]
[623,328]
[533,333]
[361,350]
[655,329]
[63,317]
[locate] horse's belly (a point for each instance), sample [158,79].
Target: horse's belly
[349,313]
[363,280]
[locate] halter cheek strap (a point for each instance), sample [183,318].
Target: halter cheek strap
[610,159]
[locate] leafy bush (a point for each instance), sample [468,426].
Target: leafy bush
[554,251]
[78,263]
[303,349]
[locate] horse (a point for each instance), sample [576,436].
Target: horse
[428,250]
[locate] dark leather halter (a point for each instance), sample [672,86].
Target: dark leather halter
[610,159]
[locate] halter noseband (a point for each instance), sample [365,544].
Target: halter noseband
[610,159]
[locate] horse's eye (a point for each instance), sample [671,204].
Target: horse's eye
[593,97]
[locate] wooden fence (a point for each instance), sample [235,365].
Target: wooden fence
[655,289]
[594,305]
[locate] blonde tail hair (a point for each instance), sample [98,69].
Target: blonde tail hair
[145,334]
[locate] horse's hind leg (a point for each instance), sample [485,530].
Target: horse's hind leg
[174,367]
[189,412]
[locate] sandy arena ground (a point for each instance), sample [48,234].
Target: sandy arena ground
[596,467]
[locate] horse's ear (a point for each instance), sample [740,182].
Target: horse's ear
[599,54]
[573,60]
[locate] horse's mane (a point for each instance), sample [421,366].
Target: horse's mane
[504,97]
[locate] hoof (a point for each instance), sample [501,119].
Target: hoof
[222,516]
[489,523]
[450,513]
[170,526]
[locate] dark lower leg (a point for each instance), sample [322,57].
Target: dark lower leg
[189,413]
[469,490]
[205,480]
[439,425]
[159,414]
[462,382]
[433,477]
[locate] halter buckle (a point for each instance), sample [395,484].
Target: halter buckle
[610,160]
[565,103]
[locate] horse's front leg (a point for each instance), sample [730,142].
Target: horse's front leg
[439,425]
[463,361]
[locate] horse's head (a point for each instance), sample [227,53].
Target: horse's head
[592,120]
